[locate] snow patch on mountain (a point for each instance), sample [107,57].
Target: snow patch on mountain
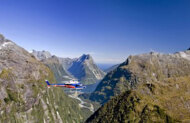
[5,44]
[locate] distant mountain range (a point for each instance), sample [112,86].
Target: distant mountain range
[83,68]
[150,87]
[24,96]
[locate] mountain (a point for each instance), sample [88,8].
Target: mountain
[58,65]
[150,87]
[24,96]
[41,55]
[66,62]
[83,68]
[86,70]
[111,68]
[141,68]
[59,72]
[130,107]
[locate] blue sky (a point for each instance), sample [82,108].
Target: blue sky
[110,30]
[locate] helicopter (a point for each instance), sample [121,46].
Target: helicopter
[69,84]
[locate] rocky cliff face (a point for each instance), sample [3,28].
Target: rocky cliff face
[155,88]
[24,94]
[85,70]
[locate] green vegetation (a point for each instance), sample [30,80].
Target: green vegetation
[6,74]
[12,96]
[131,106]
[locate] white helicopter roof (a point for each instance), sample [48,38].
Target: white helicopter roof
[72,82]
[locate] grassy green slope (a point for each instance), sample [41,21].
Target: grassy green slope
[166,101]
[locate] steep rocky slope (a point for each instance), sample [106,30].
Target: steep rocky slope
[24,96]
[85,70]
[151,87]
